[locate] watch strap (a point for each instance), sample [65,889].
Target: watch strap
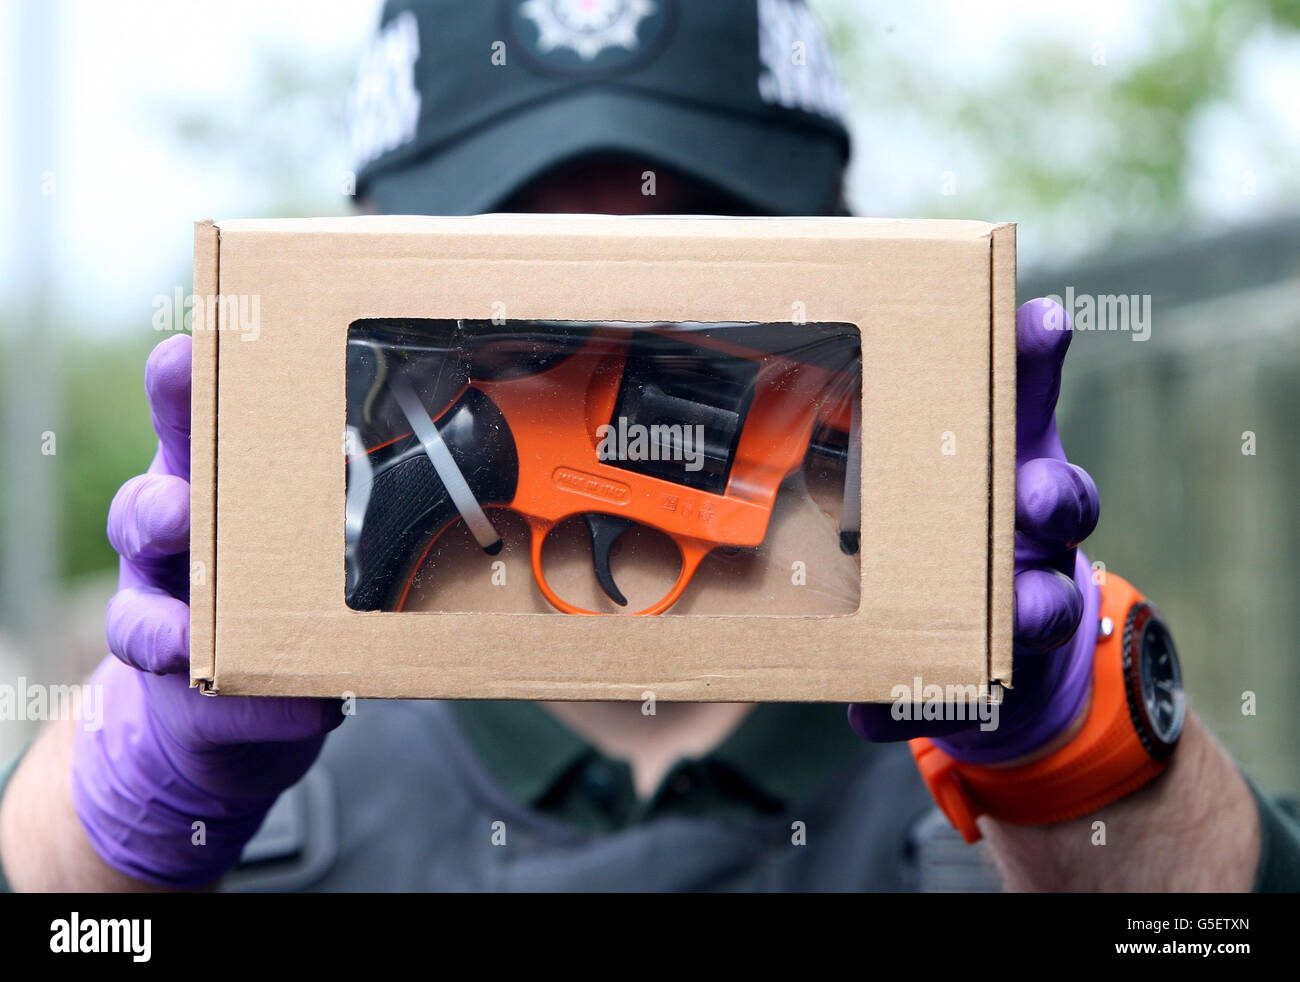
[1104,761]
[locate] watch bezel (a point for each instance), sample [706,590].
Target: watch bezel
[1139,618]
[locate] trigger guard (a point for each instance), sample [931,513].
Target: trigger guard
[692,554]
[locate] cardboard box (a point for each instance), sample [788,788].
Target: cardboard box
[934,302]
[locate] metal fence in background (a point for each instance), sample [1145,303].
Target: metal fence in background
[1192,438]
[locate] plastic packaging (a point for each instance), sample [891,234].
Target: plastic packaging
[602,468]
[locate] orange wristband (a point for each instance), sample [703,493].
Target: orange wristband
[1106,759]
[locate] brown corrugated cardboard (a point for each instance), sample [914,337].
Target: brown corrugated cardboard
[203,459]
[935,304]
[1002,505]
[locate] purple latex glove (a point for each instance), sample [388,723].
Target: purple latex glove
[167,757]
[1056,601]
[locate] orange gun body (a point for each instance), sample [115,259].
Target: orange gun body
[556,417]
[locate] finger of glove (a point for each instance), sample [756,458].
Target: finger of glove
[196,722]
[1043,334]
[259,751]
[1048,608]
[149,518]
[236,719]
[1057,507]
[149,630]
[878,722]
[167,385]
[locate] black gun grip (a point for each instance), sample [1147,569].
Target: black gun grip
[409,505]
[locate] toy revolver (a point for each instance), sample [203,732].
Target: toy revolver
[689,432]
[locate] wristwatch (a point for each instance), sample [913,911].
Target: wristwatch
[1133,722]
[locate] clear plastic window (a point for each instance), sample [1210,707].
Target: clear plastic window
[610,468]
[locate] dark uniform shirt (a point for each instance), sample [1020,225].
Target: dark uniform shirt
[502,796]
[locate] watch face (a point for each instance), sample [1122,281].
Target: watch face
[1153,680]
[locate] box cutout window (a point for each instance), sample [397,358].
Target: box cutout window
[602,468]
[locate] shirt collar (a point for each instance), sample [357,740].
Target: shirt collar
[784,751]
[526,748]
[789,750]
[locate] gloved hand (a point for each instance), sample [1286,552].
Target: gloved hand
[167,757]
[1056,601]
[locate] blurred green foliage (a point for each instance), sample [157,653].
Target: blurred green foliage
[1085,144]
[280,129]
[104,438]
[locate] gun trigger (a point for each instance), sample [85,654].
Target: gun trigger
[605,530]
